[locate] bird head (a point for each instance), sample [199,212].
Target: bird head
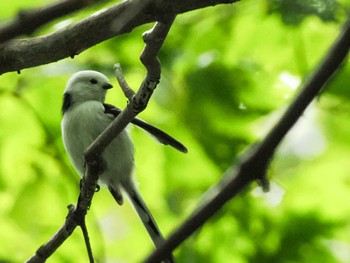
[85,86]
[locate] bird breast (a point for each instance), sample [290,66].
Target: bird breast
[80,127]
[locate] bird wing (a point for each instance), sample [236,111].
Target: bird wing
[159,135]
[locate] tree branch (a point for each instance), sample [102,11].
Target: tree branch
[87,241]
[140,99]
[46,250]
[72,40]
[254,165]
[92,155]
[75,217]
[127,90]
[27,21]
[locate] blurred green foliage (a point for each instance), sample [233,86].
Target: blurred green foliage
[293,12]
[228,72]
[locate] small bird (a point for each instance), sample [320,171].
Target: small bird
[85,116]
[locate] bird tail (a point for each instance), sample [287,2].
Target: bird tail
[146,218]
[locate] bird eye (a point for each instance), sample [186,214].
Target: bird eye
[93,81]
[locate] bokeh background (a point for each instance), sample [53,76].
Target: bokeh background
[228,73]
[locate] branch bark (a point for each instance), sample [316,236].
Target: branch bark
[19,54]
[27,21]
[254,165]
[76,215]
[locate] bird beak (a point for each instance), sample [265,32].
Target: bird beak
[107,86]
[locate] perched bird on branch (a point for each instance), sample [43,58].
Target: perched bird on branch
[85,116]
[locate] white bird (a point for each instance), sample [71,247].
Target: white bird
[85,116]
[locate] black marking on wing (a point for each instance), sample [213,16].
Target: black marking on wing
[111,109]
[160,136]
[67,102]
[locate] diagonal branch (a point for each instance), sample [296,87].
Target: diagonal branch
[76,215]
[140,99]
[254,165]
[27,21]
[46,250]
[123,17]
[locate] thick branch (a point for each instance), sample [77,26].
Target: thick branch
[27,21]
[255,164]
[68,42]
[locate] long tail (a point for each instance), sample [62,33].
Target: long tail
[145,216]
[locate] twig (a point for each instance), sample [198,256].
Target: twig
[76,215]
[87,240]
[139,101]
[19,54]
[154,40]
[46,250]
[128,92]
[255,163]
[28,21]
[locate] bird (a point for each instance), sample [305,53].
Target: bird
[85,115]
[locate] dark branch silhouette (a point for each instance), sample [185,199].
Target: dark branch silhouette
[76,215]
[28,21]
[19,54]
[254,165]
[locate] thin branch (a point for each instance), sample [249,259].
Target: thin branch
[94,165]
[139,101]
[75,217]
[19,54]
[46,250]
[28,21]
[154,40]
[128,92]
[87,240]
[254,165]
